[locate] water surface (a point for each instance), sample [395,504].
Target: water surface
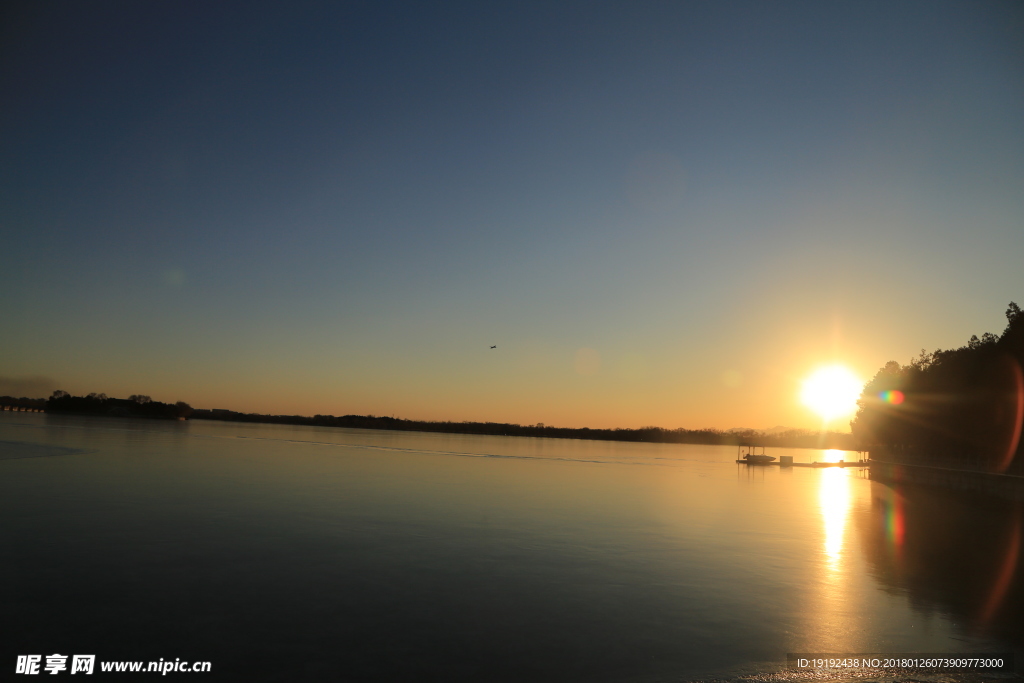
[304,553]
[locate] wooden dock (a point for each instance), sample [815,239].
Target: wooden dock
[853,463]
[747,454]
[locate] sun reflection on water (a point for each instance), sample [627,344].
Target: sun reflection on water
[833,455]
[834,499]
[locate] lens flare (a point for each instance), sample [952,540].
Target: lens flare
[1018,419]
[895,522]
[893,397]
[1006,572]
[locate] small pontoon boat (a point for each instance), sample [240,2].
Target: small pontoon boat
[750,456]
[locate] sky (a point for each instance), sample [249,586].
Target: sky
[661,213]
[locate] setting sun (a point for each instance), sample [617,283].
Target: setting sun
[831,392]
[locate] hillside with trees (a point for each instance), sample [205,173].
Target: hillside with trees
[959,408]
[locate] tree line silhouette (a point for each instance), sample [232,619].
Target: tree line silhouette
[137,405]
[10,402]
[961,407]
[795,438]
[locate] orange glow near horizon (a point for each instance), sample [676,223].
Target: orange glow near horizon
[599,400]
[600,388]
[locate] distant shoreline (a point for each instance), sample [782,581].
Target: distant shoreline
[796,438]
[101,406]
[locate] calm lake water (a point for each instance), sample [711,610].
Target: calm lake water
[304,553]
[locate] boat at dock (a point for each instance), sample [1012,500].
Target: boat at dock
[749,455]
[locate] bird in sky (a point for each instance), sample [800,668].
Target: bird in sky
[495,346]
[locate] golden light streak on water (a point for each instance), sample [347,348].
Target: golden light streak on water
[834,501]
[832,455]
[835,612]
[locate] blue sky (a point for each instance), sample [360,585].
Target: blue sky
[337,207]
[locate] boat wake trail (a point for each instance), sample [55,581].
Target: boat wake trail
[19,450]
[425,451]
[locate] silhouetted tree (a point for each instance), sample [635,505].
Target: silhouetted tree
[960,406]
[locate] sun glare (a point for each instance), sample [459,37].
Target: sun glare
[831,392]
